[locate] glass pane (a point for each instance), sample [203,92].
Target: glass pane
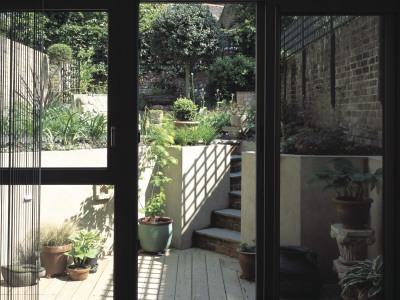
[331,154]
[209,186]
[74,118]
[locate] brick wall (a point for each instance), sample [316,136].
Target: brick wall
[357,104]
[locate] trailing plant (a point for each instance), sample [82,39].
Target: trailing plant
[184,109]
[366,276]
[247,247]
[161,138]
[346,180]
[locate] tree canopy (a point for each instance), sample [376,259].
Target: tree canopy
[183,32]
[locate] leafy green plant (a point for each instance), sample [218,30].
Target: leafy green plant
[366,275]
[183,32]
[183,136]
[84,246]
[207,133]
[96,126]
[247,247]
[231,74]
[161,138]
[59,54]
[346,180]
[217,118]
[184,109]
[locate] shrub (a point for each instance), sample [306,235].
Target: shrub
[184,109]
[217,119]
[59,53]
[231,74]
[207,133]
[183,136]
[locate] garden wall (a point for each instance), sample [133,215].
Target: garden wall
[357,103]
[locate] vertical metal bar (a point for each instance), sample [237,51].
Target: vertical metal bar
[333,63]
[284,65]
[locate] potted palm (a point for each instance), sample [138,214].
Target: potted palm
[352,188]
[82,249]
[366,276]
[247,259]
[54,241]
[184,111]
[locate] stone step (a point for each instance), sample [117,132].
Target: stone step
[235,198]
[218,240]
[227,218]
[236,181]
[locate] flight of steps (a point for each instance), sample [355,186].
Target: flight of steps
[224,234]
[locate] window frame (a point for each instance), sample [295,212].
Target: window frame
[123,36]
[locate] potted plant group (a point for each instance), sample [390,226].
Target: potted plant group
[247,259]
[366,276]
[82,249]
[184,111]
[155,231]
[54,241]
[352,188]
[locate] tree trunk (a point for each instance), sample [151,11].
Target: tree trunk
[187,78]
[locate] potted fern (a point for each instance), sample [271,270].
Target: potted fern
[366,276]
[247,259]
[352,188]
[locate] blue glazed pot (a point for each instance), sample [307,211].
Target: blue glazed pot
[155,237]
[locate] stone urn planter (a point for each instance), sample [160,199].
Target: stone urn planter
[156,116]
[180,124]
[54,260]
[22,275]
[155,237]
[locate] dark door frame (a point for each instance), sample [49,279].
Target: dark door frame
[122,170]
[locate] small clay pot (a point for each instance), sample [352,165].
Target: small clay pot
[78,274]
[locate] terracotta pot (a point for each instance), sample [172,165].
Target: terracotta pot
[353,214]
[54,260]
[247,262]
[78,274]
[180,124]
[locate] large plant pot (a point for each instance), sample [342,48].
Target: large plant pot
[353,214]
[78,274]
[22,275]
[180,124]
[247,262]
[54,260]
[298,274]
[155,237]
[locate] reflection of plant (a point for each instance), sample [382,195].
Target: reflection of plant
[346,180]
[366,276]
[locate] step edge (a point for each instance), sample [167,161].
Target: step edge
[219,237]
[226,214]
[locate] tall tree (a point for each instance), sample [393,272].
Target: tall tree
[184,32]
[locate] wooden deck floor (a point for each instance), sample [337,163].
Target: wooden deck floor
[192,274]
[98,286]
